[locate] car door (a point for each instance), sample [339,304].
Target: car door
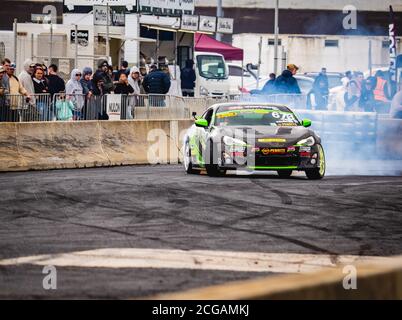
[203,133]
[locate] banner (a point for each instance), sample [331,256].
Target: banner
[189,23]
[207,24]
[100,2]
[113,106]
[117,16]
[168,7]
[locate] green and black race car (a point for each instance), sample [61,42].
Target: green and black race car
[254,137]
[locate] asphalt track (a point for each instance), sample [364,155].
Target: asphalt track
[159,207]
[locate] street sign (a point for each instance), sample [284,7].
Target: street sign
[207,24]
[189,23]
[117,16]
[225,25]
[83,37]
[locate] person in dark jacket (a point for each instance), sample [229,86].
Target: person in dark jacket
[188,78]
[123,69]
[40,87]
[123,87]
[317,98]
[269,87]
[103,74]
[156,82]
[367,101]
[55,83]
[87,84]
[286,83]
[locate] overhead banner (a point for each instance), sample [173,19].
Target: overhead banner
[167,7]
[207,24]
[225,25]
[117,17]
[100,2]
[189,23]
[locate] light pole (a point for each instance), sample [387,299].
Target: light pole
[276,37]
[219,14]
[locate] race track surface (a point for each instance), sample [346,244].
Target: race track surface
[160,207]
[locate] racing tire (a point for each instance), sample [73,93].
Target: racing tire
[283,174]
[212,168]
[319,172]
[188,165]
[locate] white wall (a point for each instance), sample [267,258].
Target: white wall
[310,54]
[7,37]
[364,5]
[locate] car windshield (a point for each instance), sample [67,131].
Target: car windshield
[255,116]
[211,67]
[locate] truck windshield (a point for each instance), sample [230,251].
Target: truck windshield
[211,67]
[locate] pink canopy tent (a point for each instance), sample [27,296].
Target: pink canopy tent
[204,43]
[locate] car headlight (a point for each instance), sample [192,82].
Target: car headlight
[309,142]
[234,145]
[204,91]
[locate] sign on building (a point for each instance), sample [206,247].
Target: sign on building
[207,24]
[83,37]
[117,16]
[100,2]
[189,23]
[225,25]
[167,7]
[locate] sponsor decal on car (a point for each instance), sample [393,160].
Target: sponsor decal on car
[305,149]
[267,140]
[291,149]
[267,151]
[305,154]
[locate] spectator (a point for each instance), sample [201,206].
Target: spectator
[3,92]
[353,93]
[86,82]
[25,76]
[75,92]
[103,74]
[156,82]
[15,89]
[98,109]
[123,69]
[55,83]
[367,102]
[135,80]
[6,65]
[323,76]
[317,98]
[188,78]
[286,83]
[381,93]
[64,108]
[40,87]
[123,87]
[345,80]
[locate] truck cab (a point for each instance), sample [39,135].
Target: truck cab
[212,75]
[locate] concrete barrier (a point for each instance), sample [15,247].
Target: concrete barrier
[56,145]
[374,281]
[389,138]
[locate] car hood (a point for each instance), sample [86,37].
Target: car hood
[270,135]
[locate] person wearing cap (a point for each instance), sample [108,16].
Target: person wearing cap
[286,83]
[25,77]
[102,75]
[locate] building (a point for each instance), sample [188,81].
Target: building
[312,34]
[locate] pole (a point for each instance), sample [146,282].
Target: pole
[76,47]
[15,40]
[51,43]
[32,47]
[157,48]
[219,14]
[107,31]
[276,37]
[370,61]
[259,63]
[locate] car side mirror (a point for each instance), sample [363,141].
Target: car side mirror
[202,123]
[306,123]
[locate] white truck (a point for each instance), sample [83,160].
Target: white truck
[212,75]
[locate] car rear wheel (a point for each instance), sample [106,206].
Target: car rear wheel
[319,172]
[285,173]
[188,164]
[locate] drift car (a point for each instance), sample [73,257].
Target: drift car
[254,137]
